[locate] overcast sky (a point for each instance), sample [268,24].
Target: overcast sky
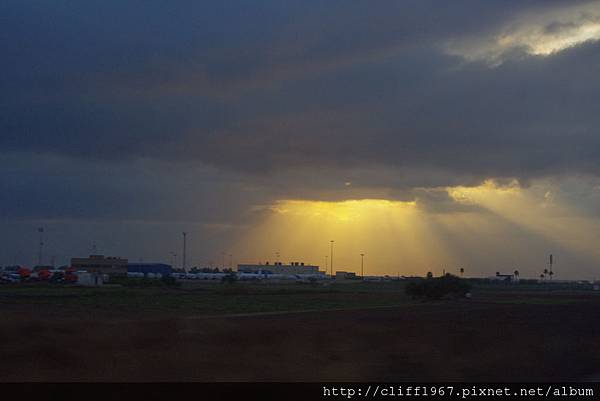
[125,123]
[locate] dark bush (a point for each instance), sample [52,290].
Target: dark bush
[448,286]
[141,282]
[229,278]
[170,281]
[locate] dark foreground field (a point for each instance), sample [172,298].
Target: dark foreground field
[243,332]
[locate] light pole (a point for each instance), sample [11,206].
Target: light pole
[41,231]
[223,260]
[362,266]
[184,252]
[326,263]
[331,258]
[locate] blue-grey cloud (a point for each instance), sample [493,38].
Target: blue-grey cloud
[199,111]
[289,86]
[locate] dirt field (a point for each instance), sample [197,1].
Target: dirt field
[496,336]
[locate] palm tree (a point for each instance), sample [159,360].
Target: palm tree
[550,273]
[542,276]
[461,271]
[516,273]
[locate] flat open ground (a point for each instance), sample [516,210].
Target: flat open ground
[296,332]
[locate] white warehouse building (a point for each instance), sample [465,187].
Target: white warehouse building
[279,268]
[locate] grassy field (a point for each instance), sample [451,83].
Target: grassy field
[197,298]
[212,298]
[344,332]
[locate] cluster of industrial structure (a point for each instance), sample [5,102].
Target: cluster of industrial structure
[91,271]
[97,270]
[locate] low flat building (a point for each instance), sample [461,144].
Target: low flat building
[279,268]
[101,264]
[504,277]
[341,275]
[152,268]
[87,279]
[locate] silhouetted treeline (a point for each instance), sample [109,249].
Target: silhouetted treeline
[447,286]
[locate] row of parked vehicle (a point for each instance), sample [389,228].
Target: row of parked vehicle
[280,277]
[248,276]
[21,274]
[199,276]
[70,275]
[144,275]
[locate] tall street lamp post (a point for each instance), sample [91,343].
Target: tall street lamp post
[331,258]
[362,266]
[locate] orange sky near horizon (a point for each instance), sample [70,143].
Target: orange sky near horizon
[510,228]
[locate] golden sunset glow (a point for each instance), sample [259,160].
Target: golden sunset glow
[397,237]
[489,189]
[389,232]
[345,211]
[537,213]
[408,238]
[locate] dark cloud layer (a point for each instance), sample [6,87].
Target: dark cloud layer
[264,88]
[169,111]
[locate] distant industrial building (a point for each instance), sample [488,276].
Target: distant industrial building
[91,279]
[101,264]
[279,268]
[504,277]
[341,275]
[150,268]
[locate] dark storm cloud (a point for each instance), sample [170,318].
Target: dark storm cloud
[526,118]
[46,187]
[286,98]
